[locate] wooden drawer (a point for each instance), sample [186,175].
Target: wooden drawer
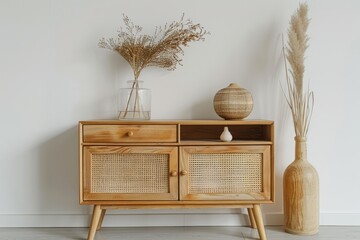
[129,133]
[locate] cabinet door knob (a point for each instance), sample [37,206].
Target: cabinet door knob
[173,173]
[183,172]
[130,133]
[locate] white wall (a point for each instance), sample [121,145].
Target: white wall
[52,74]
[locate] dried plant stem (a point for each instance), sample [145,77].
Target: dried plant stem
[134,87]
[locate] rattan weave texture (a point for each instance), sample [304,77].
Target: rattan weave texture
[129,173]
[225,173]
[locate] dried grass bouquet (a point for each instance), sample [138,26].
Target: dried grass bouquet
[301,101]
[160,50]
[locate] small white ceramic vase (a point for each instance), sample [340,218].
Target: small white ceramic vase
[226,135]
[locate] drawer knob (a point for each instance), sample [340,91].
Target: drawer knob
[173,173]
[183,172]
[130,133]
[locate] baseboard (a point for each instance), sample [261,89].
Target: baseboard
[331,219]
[124,220]
[164,219]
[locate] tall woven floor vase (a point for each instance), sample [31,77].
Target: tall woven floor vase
[301,193]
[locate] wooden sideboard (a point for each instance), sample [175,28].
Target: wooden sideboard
[176,164]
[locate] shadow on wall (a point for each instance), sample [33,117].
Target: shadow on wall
[204,109]
[59,175]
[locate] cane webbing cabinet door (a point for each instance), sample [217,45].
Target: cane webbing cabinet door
[130,173]
[176,164]
[225,173]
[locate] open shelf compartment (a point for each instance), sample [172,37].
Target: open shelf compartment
[243,133]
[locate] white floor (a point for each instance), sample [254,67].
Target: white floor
[175,233]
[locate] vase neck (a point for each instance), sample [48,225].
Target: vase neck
[135,81]
[135,84]
[300,149]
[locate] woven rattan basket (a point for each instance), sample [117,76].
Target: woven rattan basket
[233,102]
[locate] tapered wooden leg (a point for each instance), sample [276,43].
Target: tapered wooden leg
[103,211]
[94,222]
[259,221]
[251,217]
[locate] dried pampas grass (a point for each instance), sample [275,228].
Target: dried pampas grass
[300,101]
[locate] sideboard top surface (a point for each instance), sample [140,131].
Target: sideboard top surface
[183,122]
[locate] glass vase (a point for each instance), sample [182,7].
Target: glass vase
[134,102]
